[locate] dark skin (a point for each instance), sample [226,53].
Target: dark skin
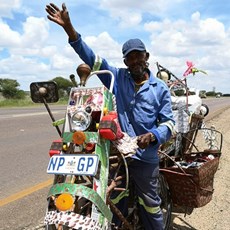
[136,61]
[61,17]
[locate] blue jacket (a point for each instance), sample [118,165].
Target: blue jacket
[148,110]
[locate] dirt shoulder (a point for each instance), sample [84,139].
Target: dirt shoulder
[216,214]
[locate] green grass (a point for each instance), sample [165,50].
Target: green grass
[25,102]
[15,103]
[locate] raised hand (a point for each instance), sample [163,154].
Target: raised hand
[61,17]
[58,16]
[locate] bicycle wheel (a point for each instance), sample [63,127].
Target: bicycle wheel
[166,202]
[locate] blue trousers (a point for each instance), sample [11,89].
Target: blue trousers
[145,177]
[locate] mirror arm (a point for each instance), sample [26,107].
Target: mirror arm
[51,115]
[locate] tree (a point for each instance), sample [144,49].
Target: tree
[9,89]
[63,85]
[202,94]
[211,93]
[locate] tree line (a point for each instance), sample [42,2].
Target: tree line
[9,89]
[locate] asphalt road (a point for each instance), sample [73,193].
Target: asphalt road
[216,105]
[25,138]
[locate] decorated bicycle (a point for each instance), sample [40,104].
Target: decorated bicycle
[91,157]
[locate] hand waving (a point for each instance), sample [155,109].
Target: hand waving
[58,16]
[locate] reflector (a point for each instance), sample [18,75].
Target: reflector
[64,202]
[78,138]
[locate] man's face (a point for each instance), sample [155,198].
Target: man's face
[136,63]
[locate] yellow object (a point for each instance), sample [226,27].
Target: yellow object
[64,202]
[78,138]
[105,110]
[64,147]
[97,125]
[141,83]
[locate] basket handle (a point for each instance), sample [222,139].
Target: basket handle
[161,152]
[173,172]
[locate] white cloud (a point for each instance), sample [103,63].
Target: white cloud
[7,6]
[33,48]
[152,7]
[130,13]
[186,38]
[105,46]
[204,41]
[8,37]
[127,19]
[35,32]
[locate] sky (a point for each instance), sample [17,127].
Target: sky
[32,48]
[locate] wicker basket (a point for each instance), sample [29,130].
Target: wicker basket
[192,187]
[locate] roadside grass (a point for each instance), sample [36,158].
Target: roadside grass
[16,103]
[25,102]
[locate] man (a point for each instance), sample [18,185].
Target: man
[143,107]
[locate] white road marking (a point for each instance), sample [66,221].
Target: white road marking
[28,114]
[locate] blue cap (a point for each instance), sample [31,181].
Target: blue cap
[132,44]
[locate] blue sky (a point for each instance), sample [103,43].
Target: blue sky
[32,48]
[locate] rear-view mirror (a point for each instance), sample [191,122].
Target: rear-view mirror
[44,92]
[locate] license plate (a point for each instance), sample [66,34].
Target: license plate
[73,164]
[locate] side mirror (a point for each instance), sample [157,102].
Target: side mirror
[44,92]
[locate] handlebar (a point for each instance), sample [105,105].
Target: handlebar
[98,72]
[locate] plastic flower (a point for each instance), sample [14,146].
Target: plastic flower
[191,69]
